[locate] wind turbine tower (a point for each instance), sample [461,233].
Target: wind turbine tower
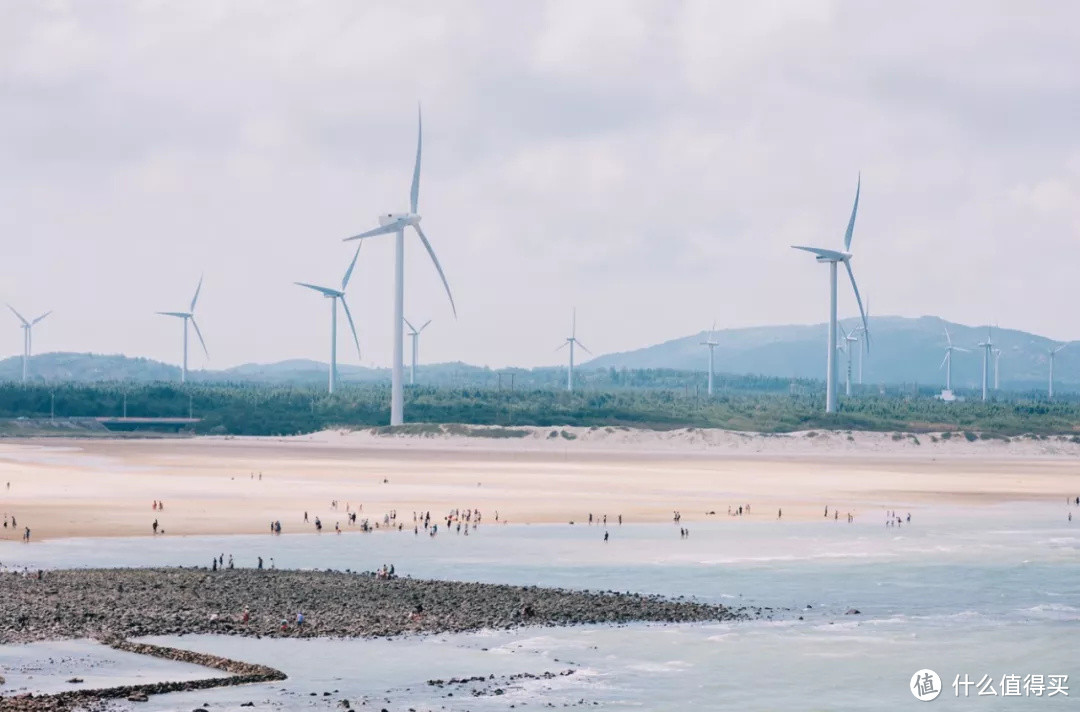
[572,341]
[832,258]
[414,334]
[847,345]
[1052,352]
[997,369]
[988,348]
[396,223]
[28,339]
[712,343]
[334,295]
[187,316]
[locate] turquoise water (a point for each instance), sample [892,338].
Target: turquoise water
[976,591]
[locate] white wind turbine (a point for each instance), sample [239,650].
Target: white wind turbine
[28,328]
[997,369]
[947,361]
[396,223]
[414,334]
[1052,352]
[572,340]
[988,348]
[187,316]
[846,345]
[334,295]
[833,257]
[712,343]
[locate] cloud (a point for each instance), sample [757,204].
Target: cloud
[647,162]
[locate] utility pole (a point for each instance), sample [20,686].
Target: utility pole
[52,406]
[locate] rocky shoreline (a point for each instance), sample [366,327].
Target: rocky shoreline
[127,603]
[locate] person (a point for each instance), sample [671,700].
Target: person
[305,517]
[260,563]
[620,519]
[155,526]
[299,619]
[230,561]
[605,536]
[26,535]
[779,513]
[246,617]
[215,564]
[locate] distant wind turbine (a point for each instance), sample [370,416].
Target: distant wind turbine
[334,295]
[414,334]
[988,348]
[866,339]
[833,257]
[1052,352]
[712,343]
[846,345]
[997,369]
[947,361]
[28,328]
[572,340]
[396,223]
[187,316]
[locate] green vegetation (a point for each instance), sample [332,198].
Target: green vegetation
[248,409]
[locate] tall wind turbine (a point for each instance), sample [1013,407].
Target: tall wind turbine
[187,316]
[988,348]
[572,340]
[334,295]
[997,369]
[1052,352]
[396,223]
[414,334]
[28,328]
[866,339]
[712,343]
[833,257]
[947,361]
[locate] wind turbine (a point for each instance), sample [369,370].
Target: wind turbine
[334,295]
[187,316]
[396,223]
[997,369]
[947,361]
[846,346]
[988,348]
[833,257]
[712,343]
[414,334]
[1052,352]
[572,340]
[27,327]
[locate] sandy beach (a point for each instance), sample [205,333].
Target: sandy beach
[105,487]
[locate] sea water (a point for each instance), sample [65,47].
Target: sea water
[981,592]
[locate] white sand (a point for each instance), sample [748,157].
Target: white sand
[104,487]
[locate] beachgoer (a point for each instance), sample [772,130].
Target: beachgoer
[779,513]
[605,536]
[155,526]
[260,563]
[299,619]
[26,535]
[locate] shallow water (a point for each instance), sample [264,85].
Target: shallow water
[976,591]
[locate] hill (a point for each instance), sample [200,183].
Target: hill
[902,350]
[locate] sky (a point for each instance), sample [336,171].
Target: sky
[647,162]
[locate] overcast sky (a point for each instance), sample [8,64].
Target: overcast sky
[649,162]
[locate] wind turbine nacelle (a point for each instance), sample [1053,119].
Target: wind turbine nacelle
[405,218]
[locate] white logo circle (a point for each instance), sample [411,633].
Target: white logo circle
[925,685]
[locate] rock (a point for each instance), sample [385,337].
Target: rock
[852,612]
[138,697]
[75,680]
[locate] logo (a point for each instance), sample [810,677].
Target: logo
[925,685]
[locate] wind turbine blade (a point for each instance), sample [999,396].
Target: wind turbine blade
[851,222]
[563,346]
[858,298]
[196,297]
[381,230]
[427,246]
[411,327]
[573,322]
[348,272]
[199,334]
[1059,348]
[414,194]
[50,312]
[821,252]
[957,348]
[352,327]
[943,361]
[582,347]
[321,290]
[424,326]
[947,337]
[24,321]
[182,315]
